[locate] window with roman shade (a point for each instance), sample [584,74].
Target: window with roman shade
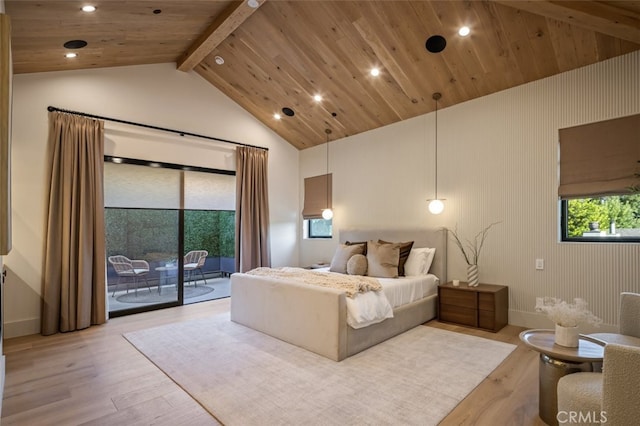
[599,159]
[600,181]
[317,196]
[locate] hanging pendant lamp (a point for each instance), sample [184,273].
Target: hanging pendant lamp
[327,213]
[436,205]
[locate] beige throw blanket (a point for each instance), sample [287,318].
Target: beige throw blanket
[351,284]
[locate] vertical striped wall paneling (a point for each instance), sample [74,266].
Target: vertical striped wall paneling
[497,161]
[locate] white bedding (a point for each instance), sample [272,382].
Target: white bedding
[373,307]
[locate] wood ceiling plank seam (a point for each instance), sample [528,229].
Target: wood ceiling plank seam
[380,91]
[406,24]
[391,67]
[284,128]
[591,15]
[313,115]
[377,91]
[538,31]
[628,46]
[608,47]
[221,27]
[461,83]
[561,35]
[402,52]
[586,45]
[515,29]
[326,55]
[434,63]
[294,80]
[499,55]
[465,83]
[342,83]
[237,55]
[243,90]
[245,103]
[629,8]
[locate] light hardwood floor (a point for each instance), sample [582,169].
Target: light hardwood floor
[96,377]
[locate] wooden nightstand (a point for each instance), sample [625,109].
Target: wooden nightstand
[485,306]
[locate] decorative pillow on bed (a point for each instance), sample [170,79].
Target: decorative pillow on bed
[342,255]
[419,261]
[357,265]
[405,249]
[363,243]
[382,259]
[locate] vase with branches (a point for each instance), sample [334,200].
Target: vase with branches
[471,250]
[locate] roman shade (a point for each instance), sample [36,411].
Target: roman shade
[600,158]
[317,196]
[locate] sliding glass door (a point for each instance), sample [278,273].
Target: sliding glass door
[170,236]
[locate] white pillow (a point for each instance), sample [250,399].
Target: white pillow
[419,261]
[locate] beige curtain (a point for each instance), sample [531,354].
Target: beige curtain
[252,209]
[74,272]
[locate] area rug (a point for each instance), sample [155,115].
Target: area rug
[168,294]
[244,377]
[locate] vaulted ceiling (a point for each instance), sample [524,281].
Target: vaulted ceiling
[282,53]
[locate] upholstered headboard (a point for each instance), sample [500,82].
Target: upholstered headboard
[436,238]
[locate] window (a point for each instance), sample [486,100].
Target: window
[319,228]
[155,214]
[600,181]
[317,197]
[613,218]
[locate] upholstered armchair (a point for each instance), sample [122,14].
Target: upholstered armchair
[129,270]
[195,260]
[629,322]
[610,397]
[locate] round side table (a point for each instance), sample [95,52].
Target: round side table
[557,361]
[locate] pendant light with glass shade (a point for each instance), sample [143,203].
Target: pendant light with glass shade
[327,213]
[436,205]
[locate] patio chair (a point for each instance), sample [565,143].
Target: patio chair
[195,260]
[129,270]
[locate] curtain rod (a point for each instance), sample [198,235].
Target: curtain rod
[148,126]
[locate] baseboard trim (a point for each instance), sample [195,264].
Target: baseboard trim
[539,320]
[19,328]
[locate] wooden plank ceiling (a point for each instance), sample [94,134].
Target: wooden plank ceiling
[283,53]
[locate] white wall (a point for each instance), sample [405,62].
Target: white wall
[497,161]
[151,94]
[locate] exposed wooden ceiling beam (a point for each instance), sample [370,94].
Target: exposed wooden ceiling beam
[593,15]
[227,22]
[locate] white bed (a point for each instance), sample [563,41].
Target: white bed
[316,318]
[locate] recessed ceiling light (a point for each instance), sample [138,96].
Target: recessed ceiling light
[75,44]
[253,3]
[464,31]
[117,160]
[219,60]
[71,55]
[375,72]
[317,98]
[436,44]
[288,112]
[88,8]
[277,116]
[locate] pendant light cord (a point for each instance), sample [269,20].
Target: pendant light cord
[328,132]
[436,97]
[436,168]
